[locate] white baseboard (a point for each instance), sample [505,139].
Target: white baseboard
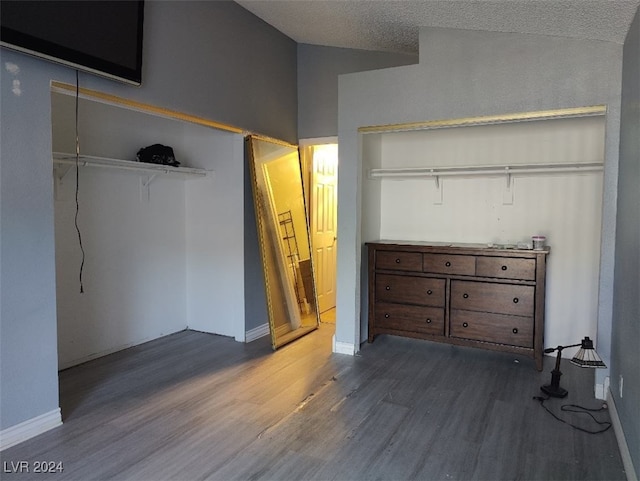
[29,428]
[257,332]
[625,454]
[343,347]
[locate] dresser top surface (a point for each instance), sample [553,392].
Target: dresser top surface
[455,247]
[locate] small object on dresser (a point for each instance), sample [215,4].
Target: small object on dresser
[157,154]
[538,242]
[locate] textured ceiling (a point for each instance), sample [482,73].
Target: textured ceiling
[392,25]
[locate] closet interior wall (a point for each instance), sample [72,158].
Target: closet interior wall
[162,252]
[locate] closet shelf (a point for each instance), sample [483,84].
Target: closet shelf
[64,162]
[486,170]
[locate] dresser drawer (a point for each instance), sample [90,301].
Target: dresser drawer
[497,328]
[410,289]
[428,320]
[449,264]
[506,268]
[399,261]
[492,297]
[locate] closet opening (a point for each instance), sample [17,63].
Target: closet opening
[497,181]
[155,259]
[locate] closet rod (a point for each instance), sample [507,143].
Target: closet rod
[409,172]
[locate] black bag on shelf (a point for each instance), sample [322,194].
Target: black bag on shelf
[157,154]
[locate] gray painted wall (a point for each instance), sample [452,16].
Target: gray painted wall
[28,342]
[625,357]
[211,59]
[217,60]
[318,70]
[465,74]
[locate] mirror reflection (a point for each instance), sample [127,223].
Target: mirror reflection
[284,239]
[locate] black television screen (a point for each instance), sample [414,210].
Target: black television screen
[103,37]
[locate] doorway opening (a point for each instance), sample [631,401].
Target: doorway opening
[319,160]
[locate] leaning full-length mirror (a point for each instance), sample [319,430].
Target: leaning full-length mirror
[284,239]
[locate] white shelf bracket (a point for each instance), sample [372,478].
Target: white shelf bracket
[62,171]
[507,194]
[145,189]
[148,181]
[437,198]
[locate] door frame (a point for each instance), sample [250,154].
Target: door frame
[306,167]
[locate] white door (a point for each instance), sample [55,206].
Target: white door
[324,227]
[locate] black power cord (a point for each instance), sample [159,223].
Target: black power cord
[78,184]
[574,408]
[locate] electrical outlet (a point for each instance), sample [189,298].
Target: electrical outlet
[621,384]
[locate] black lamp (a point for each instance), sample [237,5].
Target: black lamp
[586,357]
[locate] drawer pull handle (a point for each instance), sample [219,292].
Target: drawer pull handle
[429,292]
[397,261]
[448,264]
[515,330]
[465,324]
[386,316]
[387,288]
[428,321]
[465,295]
[516,300]
[504,268]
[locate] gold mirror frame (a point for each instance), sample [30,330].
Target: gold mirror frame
[283,234]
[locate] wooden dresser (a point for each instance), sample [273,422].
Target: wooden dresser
[469,295]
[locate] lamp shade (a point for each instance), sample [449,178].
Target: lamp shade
[587,355]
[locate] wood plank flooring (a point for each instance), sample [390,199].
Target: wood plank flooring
[194,406]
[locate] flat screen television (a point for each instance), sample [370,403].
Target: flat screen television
[102,37]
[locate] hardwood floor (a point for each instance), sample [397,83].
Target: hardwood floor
[194,406]
[328,316]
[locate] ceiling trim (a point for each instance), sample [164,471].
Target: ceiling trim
[88,94]
[594,110]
